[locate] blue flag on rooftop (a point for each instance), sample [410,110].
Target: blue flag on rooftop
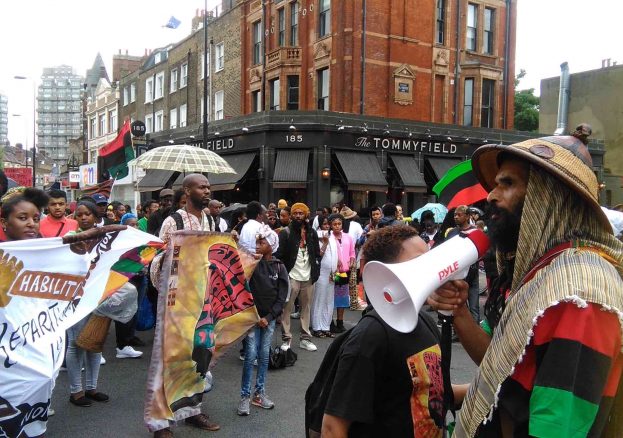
[173,23]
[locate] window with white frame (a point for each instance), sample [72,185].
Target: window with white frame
[294,23]
[256,101]
[126,95]
[132,92]
[440,28]
[220,57]
[323,89]
[112,120]
[173,118]
[203,67]
[281,31]
[218,105]
[102,124]
[472,25]
[93,127]
[257,42]
[275,95]
[149,89]
[174,80]
[149,124]
[159,122]
[184,75]
[157,58]
[159,85]
[183,115]
[468,102]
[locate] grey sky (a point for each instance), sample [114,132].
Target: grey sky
[43,33]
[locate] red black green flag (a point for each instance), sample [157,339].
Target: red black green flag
[113,158]
[459,186]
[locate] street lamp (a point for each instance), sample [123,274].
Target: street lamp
[34,128]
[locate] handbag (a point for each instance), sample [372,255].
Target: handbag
[276,358]
[145,318]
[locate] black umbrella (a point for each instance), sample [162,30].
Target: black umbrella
[227,212]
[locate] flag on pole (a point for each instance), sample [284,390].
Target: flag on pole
[459,186]
[173,23]
[114,157]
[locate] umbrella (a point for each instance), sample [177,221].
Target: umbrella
[459,186]
[183,158]
[439,210]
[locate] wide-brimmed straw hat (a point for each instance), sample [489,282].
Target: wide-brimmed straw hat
[565,157]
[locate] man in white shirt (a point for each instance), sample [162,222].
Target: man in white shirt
[256,214]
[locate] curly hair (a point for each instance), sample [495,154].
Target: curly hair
[386,244]
[33,195]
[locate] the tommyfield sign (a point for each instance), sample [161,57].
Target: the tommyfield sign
[406,145]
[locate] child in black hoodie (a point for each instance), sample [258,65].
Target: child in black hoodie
[269,286]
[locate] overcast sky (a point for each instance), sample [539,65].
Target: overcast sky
[44,33]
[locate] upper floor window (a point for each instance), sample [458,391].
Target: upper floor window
[468,102]
[281,31]
[149,89]
[102,124]
[112,120]
[257,42]
[173,118]
[488,101]
[472,24]
[159,122]
[149,124]
[275,95]
[324,18]
[159,85]
[174,80]
[220,57]
[323,89]
[256,101]
[203,66]
[440,24]
[219,113]
[183,112]
[293,92]
[184,75]
[294,24]
[487,42]
[93,127]
[132,92]
[126,95]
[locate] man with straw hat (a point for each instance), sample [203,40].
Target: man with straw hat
[549,348]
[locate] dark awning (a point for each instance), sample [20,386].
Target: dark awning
[291,169]
[362,171]
[227,181]
[156,179]
[442,165]
[410,174]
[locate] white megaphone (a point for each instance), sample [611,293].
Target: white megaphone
[398,290]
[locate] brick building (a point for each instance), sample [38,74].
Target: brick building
[307,55]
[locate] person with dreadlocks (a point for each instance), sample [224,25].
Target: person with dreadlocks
[549,348]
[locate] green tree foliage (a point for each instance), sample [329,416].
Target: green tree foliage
[526,107]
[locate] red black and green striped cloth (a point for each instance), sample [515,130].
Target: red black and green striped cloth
[114,157]
[459,186]
[566,382]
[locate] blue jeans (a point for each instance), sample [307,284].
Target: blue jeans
[76,358]
[256,346]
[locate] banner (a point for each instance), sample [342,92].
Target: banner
[46,286]
[204,305]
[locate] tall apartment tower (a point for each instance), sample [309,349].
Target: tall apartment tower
[59,107]
[4,119]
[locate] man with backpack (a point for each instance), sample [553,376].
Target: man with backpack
[191,217]
[375,381]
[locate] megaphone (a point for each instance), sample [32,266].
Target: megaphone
[398,290]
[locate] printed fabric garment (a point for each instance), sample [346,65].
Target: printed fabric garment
[389,384]
[566,383]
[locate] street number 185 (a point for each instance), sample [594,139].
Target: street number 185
[294,138]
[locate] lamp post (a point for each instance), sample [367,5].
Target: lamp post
[34,128]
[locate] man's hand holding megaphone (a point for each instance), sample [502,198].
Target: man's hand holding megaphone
[452,297]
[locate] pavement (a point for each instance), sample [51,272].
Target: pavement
[124,381]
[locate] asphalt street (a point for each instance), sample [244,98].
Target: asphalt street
[124,380]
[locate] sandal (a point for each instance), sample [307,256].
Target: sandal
[318,334]
[328,334]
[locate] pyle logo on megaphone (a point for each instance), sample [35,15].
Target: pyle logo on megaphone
[454,267]
[398,290]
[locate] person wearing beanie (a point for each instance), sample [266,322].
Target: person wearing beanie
[282,203]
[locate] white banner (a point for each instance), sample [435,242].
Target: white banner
[74,177]
[46,287]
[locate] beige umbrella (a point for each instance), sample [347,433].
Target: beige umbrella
[183,158]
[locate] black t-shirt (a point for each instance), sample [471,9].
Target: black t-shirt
[389,384]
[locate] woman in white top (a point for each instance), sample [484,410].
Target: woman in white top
[322,303]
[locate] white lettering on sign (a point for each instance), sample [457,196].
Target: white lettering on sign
[406,145]
[221,145]
[294,138]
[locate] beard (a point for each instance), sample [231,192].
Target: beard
[504,229]
[297,225]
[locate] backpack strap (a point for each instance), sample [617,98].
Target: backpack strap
[179,222]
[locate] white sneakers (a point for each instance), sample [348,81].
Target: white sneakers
[308,345]
[102,361]
[128,352]
[285,345]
